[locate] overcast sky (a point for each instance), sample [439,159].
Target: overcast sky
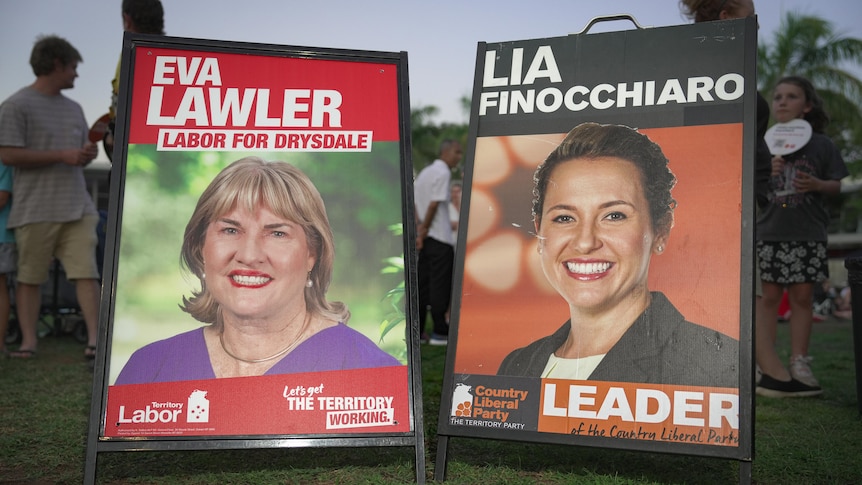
[440,37]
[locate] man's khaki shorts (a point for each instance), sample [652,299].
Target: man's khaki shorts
[73,243]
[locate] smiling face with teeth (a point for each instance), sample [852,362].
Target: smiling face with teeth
[596,235]
[244,187]
[256,264]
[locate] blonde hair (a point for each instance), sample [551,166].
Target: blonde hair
[248,184]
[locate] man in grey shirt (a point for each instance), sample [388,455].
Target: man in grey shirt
[43,135]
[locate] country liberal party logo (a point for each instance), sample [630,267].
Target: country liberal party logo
[488,406]
[462,401]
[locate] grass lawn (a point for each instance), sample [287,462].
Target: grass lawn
[44,405]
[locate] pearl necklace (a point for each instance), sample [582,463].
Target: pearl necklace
[271,357]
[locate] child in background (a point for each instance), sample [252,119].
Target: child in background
[8,253]
[791,240]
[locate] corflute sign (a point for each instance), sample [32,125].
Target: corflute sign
[608,175]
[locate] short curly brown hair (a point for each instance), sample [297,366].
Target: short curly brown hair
[51,49]
[592,140]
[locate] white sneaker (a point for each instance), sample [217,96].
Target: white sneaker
[439,340]
[800,369]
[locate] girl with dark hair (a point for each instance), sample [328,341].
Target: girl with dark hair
[791,240]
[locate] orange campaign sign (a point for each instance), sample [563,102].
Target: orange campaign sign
[606,243]
[682,414]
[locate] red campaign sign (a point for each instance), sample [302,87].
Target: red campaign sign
[194,100]
[341,402]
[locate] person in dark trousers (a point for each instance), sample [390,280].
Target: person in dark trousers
[435,241]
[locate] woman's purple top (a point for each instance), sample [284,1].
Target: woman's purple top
[184,357]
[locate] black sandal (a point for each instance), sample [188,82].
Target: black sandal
[90,352]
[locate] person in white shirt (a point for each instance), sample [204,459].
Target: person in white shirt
[455,208]
[435,240]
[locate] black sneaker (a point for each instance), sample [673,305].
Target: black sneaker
[770,387]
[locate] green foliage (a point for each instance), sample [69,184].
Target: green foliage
[395,317]
[426,136]
[362,194]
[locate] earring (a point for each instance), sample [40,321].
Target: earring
[308,282]
[660,248]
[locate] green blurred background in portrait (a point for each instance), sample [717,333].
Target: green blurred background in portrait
[362,193]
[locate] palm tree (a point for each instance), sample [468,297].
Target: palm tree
[808,46]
